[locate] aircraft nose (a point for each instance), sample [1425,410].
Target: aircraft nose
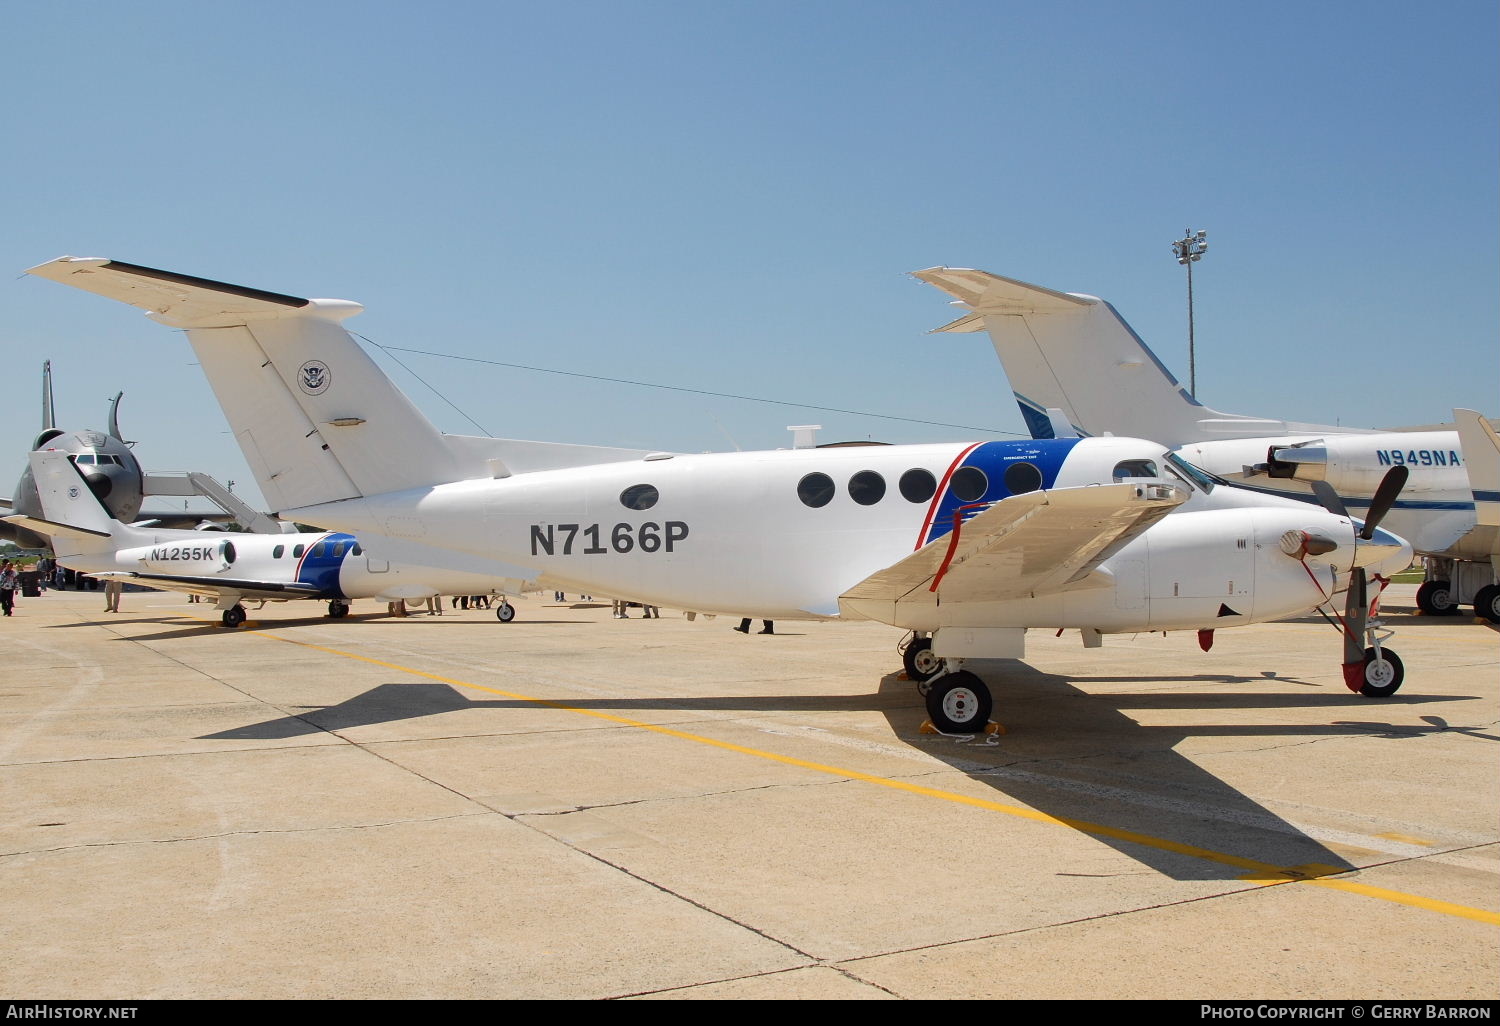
[99,484]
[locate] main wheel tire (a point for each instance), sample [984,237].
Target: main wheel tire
[337,609]
[233,616]
[505,612]
[1383,673]
[1435,598]
[959,703]
[1487,603]
[921,665]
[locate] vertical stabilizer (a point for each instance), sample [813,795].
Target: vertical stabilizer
[1075,353]
[1481,448]
[49,418]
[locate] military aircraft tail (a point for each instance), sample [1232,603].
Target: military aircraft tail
[317,419]
[1076,354]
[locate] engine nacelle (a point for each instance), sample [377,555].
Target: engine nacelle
[1355,464]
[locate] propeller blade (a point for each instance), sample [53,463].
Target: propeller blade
[1385,498]
[1330,498]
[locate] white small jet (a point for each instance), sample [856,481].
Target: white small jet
[1077,367]
[964,545]
[229,568]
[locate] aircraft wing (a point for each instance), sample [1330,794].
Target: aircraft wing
[1029,544]
[273,591]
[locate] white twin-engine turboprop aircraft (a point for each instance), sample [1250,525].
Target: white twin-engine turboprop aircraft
[964,545]
[229,568]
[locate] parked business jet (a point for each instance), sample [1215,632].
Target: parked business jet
[229,568]
[1074,354]
[966,546]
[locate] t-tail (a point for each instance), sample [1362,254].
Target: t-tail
[1075,354]
[71,514]
[317,419]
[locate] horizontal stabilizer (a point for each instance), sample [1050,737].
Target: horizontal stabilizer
[180,300]
[53,530]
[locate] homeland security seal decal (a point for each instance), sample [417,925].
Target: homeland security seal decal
[314,377]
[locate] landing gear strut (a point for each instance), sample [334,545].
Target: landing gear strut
[233,616]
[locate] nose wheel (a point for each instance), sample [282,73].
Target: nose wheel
[1382,673]
[505,612]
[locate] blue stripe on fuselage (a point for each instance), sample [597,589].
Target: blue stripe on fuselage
[320,566]
[995,459]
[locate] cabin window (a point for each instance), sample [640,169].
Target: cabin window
[815,490]
[356,550]
[229,553]
[1135,468]
[338,549]
[867,488]
[1024,477]
[918,485]
[641,496]
[318,549]
[970,484]
[297,551]
[278,552]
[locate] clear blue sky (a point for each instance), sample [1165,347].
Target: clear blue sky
[725,196]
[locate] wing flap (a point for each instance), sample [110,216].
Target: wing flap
[1030,544]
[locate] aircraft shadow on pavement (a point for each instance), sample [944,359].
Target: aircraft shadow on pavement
[181,628]
[1071,754]
[1079,756]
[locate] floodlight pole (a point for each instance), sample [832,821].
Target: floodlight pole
[1189,250]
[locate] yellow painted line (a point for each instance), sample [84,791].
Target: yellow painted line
[1408,839]
[1259,872]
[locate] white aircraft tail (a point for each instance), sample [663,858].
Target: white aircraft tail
[317,419]
[1481,446]
[72,515]
[1075,353]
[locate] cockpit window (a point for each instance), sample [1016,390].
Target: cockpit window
[1135,468]
[1186,472]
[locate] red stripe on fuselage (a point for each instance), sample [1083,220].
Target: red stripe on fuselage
[938,496]
[307,551]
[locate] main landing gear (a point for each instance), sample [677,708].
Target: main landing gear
[233,616]
[920,663]
[959,703]
[505,612]
[338,608]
